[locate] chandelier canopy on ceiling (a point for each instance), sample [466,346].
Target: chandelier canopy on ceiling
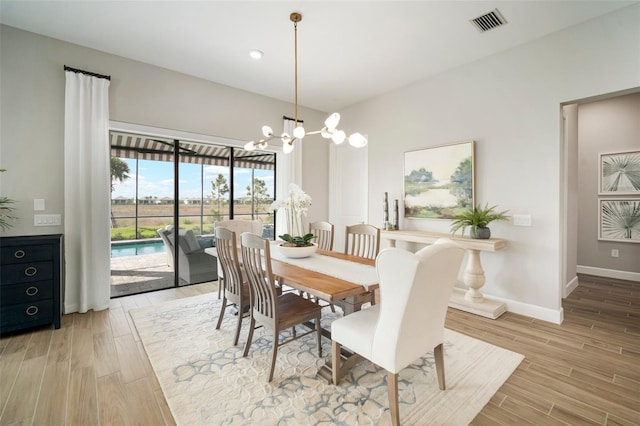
[330,129]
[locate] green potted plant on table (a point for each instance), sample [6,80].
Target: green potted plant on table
[478,220]
[303,241]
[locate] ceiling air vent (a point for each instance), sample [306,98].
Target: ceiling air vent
[488,21]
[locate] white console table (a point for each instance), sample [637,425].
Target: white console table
[470,300]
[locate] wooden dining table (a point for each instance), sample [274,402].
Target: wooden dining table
[349,295]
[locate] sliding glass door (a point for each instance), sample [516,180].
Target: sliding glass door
[160,185]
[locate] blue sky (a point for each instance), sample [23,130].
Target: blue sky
[156,179]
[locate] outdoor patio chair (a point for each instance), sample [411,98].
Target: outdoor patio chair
[194,265]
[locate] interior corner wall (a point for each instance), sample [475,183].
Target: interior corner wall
[510,104]
[32,85]
[608,125]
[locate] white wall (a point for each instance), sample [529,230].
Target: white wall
[32,116]
[510,105]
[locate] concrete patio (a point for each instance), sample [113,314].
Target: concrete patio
[137,274]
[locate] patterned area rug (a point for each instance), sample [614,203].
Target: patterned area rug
[206,381]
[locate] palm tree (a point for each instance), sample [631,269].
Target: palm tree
[119,173]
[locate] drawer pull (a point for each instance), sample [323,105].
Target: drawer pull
[31,271]
[32,310]
[19,254]
[32,291]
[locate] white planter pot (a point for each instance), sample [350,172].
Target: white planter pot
[297,252]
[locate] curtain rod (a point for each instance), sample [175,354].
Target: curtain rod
[284,117]
[92,74]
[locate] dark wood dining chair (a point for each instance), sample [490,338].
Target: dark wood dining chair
[415,289]
[362,240]
[277,312]
[236,289]
[324,234]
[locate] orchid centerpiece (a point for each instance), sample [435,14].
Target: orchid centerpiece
[294,207]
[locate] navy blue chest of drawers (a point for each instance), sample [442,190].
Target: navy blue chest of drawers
[31,278]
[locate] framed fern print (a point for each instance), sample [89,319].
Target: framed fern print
[619,220]
[619,173]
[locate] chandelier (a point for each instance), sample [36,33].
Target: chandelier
[330,129]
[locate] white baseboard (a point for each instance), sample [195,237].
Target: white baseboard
[570,286]
[608,273]
[533,311]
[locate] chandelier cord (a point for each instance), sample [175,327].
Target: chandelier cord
[295,47]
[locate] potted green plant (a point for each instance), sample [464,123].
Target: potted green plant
[5,211]
[297,243]
[304,241]
[478,220]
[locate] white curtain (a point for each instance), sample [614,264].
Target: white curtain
[87,193]
[288,170]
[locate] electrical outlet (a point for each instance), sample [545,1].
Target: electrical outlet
[615,253]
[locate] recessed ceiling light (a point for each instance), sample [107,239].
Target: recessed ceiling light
[256,54]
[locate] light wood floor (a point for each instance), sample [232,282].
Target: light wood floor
[94,371]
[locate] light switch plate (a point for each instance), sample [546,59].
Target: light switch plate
[47,220]
[522,220]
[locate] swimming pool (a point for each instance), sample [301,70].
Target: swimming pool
[136,248]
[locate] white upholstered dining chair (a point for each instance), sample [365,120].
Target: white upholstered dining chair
[415,289]
[238,226]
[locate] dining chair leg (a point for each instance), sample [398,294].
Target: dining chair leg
[239,326]
[335,362]
[438,354]
[319,335]
[392,389]
[252,324]
[274,354]
[222,309]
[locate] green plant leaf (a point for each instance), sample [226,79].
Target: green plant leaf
[478,217]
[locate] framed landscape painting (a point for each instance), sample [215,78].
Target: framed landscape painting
[438,181]
[619,173]
[619,220]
